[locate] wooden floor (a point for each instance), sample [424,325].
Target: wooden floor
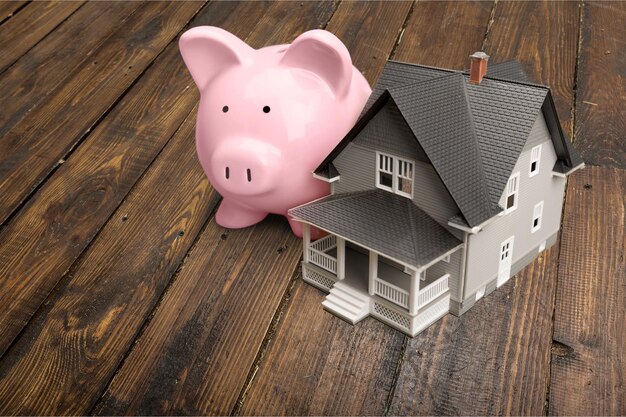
[119,294]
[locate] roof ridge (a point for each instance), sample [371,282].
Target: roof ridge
[478,157]
[484,186]
[412,225]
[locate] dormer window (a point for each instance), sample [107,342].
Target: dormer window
[535,157]
[512,192]
[394,174]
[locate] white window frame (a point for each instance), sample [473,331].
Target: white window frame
[446,258]
[535,158]
[537,215]
[512,188]
[383,162]
[398,169]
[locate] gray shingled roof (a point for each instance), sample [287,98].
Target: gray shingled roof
[382,221]
[438,113]
[483,140]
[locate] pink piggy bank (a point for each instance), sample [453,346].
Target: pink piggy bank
[268,117]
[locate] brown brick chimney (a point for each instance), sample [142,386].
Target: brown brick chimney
[478,67]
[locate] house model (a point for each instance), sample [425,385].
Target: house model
[449,184]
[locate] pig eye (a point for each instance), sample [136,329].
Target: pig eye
[266,109]
[225,109]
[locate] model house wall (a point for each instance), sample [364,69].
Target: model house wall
[483,254]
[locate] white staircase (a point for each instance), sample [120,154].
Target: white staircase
[347,303]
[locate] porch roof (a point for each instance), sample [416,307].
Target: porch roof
[381,221]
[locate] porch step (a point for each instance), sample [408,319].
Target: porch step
[347,303]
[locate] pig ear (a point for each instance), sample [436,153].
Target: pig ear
[208,50]
[325,55]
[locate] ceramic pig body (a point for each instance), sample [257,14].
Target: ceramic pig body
[268,117]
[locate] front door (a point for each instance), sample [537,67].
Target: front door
[504,268]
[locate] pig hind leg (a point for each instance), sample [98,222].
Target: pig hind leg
[235,216]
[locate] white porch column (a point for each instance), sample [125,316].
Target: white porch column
[341,258]
[414,291]
[306,241]
[373,271]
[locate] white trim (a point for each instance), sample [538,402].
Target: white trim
[576,168]
[537,215]
[509,257]
[512,189]
[535,158]
[396,167]
[403,165]
[385,164]
[328,180]
[446,259]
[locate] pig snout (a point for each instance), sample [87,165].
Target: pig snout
[245,167]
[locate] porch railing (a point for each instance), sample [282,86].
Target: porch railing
[432,291]
[323,260]
[392,293]
[325,244]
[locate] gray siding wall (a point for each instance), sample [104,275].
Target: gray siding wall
[458,308]
[484,247]
[357,169]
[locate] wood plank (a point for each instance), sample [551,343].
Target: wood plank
[138,250]
[589,355]
[600,115]
[235,285]
[496,358]
[50,232]
[460,29]
[49,63]
[80,336]
[9,8]
[33,147]
[316,364]
[31,25]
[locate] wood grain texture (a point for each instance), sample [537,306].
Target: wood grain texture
[492,360]
[589,356]
[33,147]
[601,119]
[151,218]
[59,221]
[9,8]
[81,334]
[28,27]
[225,295]
[54,60]
[317,364]
[459,30]
[496,358]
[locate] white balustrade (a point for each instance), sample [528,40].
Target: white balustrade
[392,293]
[432,291]
[323,260]
[325,244]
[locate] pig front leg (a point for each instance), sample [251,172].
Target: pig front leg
[235,216]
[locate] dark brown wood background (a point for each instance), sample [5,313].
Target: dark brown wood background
[119,294]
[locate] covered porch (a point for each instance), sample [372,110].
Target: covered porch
[380,246]
[373,274]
